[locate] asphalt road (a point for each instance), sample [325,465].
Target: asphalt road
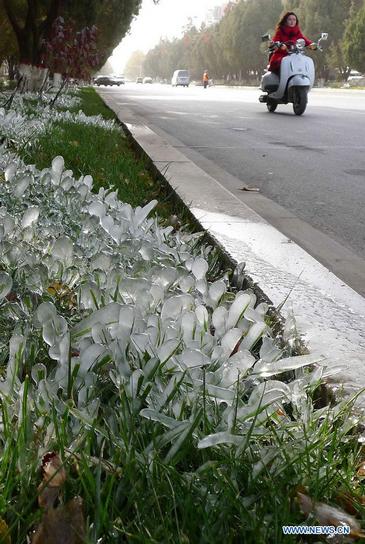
[312,166]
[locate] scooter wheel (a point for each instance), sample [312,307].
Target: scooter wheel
[300,100]
[271,106]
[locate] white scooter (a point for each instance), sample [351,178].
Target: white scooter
[296,77]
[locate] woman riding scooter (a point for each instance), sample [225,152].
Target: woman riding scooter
[287,31]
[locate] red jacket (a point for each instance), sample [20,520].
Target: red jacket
[289,35]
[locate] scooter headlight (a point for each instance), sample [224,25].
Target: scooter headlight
[300,43]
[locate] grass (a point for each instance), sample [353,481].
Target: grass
[209,497]
[117,462]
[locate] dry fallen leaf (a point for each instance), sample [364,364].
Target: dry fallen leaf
[62,525]
[348,501]
[361,470]
[328,515]
[250,189]
[4,532]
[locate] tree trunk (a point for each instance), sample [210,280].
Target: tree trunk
[30,40]
[33,77]
[57,80]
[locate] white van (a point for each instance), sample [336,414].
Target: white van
[180,77]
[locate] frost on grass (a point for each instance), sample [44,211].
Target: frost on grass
[110,328]
[91,288]
[29,117]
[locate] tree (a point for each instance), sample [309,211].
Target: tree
[134,66]
[32,20]
[354,40]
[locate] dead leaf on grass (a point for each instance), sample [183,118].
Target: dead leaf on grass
[62,525]
[250,189]
[328,515]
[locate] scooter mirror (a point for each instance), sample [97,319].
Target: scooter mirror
[324,36]
[265,38]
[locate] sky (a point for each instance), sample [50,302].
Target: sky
[165,19]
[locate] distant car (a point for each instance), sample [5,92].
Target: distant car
[356,80]
[109,80]
[120,80]
[139,80]
[147,80]
[180,77]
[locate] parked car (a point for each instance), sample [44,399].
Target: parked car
[147,80]
[139,80]
[109,80]
[180,77]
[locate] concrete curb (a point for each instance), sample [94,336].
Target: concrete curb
[329,315]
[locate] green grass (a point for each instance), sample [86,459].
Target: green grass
[205,497]
[106,155]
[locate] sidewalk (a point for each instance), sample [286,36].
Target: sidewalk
[330,316]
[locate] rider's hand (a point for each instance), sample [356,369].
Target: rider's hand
[284,47]
[313,46]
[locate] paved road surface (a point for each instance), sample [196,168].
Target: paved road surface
[311,166]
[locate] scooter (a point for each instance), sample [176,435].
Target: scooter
[296,79]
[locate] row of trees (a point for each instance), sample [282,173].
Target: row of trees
[232,49]
[33,32]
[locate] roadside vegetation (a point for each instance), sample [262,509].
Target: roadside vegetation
[141,398]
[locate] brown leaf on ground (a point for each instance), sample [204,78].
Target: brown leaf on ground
[328,515]
[54,476]
[62,525]
[4,532]
[348,501]
[361,470]
[250,189]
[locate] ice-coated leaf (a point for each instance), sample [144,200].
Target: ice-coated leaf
[6,284]
[21,186]
[199,268]
[142,213]
[237,310]
[58,166]
[219,320]
[220,392]
[153,415]
[191,358]
[107,315]
[90,296]
[253,335]
[230,339]
[165,352]
[266,369]
[176,305]
[269,352]
[188,324]
[97,208]
[202,316]
[163,276]
[101,261]
[187,284]
[10,172]
[30,216]
[90,356]
[88,180]
[219,438]
[63,249]
[54,329]
[236,366]
[217,290]
[45,312]
[107,222]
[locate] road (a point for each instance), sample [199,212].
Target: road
[311,166]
